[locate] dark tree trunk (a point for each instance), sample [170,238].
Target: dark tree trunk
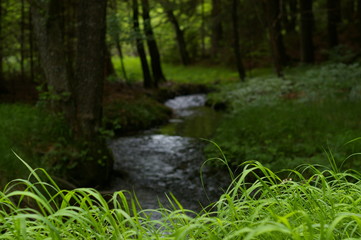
[47,29]
[359,11]
[203,30]
[109,67]
[2,88]
[31,49]
[90,66]
[22,40]
[272,9]
[217,29]
[333,18]
[79,98]
[236,47]
[307,24]
[120,53]
[147,79]
[289,14]
[89,76]
[348,10]
[179,35]
[158,75]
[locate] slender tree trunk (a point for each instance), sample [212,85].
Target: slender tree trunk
[120,53]
[359,11]
[2,88]
[147,82]
[272,8]
[22,39]
[158,75]
[333,18]
[109,67]
[289,14]
[217,29]
[236,47]
[203,30]
[31,49]
[349,10]
[179,35]
[307,24]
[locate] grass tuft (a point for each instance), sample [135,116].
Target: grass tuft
[324,205]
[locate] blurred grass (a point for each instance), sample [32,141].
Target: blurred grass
[25,129]
[197,74]
[286,122]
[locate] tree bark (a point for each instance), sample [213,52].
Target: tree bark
[272,9]
[236,47]
[31,49]
[22,40]
[120,53]
[90,66]
[158,75]
[289,14]
[307,24]
[78,97]
[109,67]
[359,11]
[217,29]
[182,46]
[147,79]
[46,19]
[2,87]
[333,18]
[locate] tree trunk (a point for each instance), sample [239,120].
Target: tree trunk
[90,66]
[333,18]
[348,11]
[109,67]
[307,24]
[158,75]
[79,98]
[147,79]
[217,30]
[289,14]
[359,11]
[203,30]
[236,47]
[47,29]
[120,53]
[272,9]
[31,49]
[2,87]
[179,35]
[22,40]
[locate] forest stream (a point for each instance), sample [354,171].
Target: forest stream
[168,159]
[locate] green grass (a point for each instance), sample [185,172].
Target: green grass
[287,122]
[26,130]
[182,74]
[322,206]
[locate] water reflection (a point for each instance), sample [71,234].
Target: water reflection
[156,164]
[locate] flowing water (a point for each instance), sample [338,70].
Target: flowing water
[168,159]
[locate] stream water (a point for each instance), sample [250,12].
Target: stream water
[168,159]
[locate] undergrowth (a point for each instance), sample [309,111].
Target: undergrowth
[324,205]
[30,131]
[287,122]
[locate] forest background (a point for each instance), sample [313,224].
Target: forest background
[88,70]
